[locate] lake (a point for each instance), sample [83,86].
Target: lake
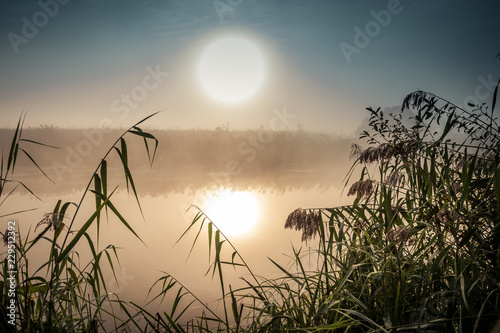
[251,207]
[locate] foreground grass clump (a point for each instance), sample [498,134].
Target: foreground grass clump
[417,251]
[61,294]
[424,231]
[419,248]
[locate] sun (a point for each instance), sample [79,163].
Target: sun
[234,213]
[231,69]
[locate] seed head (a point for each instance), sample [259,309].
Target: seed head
[394,179]
[308,222]
[53,221]
[385,151]
[447,216]
[362,188]
[401,235]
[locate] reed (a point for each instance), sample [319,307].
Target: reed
[61,295]
[417,251]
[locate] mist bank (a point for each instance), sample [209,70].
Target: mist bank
[185,160]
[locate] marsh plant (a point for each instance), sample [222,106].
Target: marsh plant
[61,294]
[417,251]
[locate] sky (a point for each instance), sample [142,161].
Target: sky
[72,63]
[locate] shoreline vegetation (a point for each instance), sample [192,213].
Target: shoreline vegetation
[417,251]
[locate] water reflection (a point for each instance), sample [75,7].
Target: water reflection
[235,213]
[165,220]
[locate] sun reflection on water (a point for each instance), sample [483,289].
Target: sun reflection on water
[235,213]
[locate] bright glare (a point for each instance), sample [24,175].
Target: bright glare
[234,213]
[231,69]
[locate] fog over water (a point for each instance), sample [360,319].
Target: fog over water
[188,160]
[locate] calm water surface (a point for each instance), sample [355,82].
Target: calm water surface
[251,212]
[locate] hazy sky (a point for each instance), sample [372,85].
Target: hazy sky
[70,62]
